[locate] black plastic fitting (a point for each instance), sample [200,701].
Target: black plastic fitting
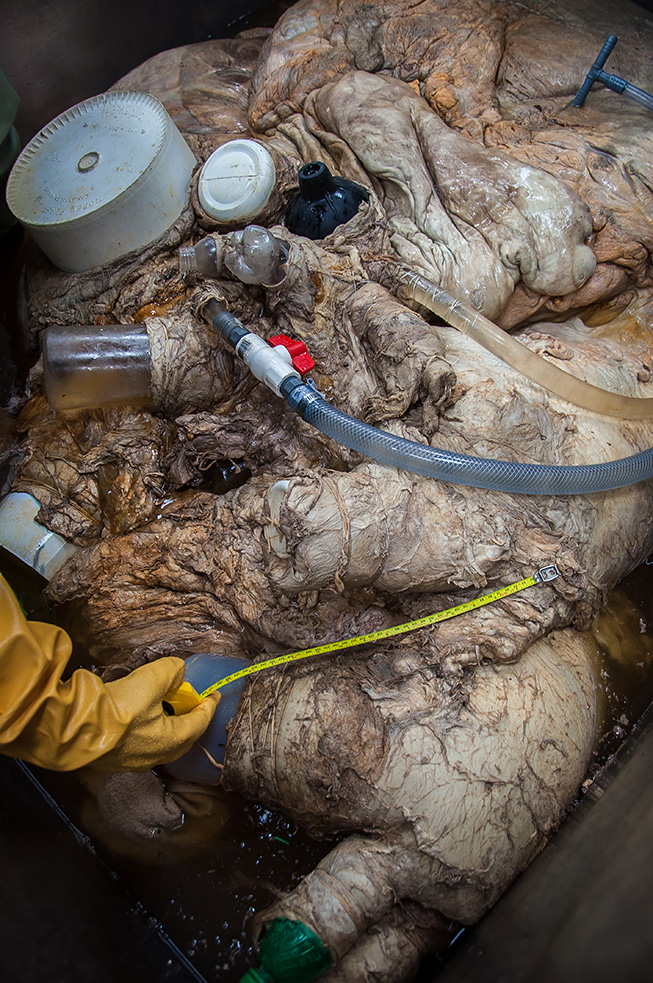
[229,327]
[323,202]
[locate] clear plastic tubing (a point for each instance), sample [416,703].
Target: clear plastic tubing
[408,455]
[87,366]
[639,95]
[461,469]
[521,358]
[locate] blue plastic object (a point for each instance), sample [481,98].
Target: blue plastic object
[614,82]
[203,763]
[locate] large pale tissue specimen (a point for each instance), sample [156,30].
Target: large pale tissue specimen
[444,760]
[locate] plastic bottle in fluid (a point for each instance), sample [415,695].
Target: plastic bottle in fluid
[203,763]
[86,366]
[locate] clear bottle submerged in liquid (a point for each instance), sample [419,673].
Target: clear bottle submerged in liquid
[87,366]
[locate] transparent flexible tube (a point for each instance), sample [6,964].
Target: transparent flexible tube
[639,95]
[408,455]
[461,469]
[521,358]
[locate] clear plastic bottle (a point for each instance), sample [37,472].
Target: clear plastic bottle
[253,255]
[89,366]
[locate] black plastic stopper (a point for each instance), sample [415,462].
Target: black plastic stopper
[323,202]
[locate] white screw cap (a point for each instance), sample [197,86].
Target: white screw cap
[105,178]
[236,181]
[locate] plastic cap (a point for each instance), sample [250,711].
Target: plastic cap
[315,181]
[290,953]
[236,181]
[106,177]
[256,976]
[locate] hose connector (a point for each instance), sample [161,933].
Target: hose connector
[279,362]
[614,82]
[273,366]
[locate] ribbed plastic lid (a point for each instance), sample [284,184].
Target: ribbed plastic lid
[86,157]
[103,179]
[236,181]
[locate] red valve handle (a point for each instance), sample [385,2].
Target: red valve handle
[297,350]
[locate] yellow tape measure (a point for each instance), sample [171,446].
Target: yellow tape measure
[186,697]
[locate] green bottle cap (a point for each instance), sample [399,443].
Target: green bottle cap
[290,953]
[256,976]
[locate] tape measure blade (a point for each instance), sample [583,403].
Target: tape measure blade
[391,632]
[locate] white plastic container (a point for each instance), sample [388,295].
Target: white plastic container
[43,550]
[106,177]
[236,181]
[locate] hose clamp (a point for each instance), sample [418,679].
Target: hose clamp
[304,395]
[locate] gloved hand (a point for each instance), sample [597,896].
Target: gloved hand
[150,736]
[117,726]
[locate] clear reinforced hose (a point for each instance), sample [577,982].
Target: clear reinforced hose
[521,358]
[644,98]
[408,455]
[461,469]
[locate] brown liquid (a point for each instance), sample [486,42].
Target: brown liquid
[158,309]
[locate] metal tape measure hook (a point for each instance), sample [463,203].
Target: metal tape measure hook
[546,574]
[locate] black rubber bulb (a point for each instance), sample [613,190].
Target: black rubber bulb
[323,202]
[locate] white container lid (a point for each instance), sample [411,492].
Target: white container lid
[236,181]
[22,535]
[106,177]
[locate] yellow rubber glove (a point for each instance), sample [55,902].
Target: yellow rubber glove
[117,726]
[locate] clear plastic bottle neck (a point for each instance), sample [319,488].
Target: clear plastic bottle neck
[201,258]
[253,255]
